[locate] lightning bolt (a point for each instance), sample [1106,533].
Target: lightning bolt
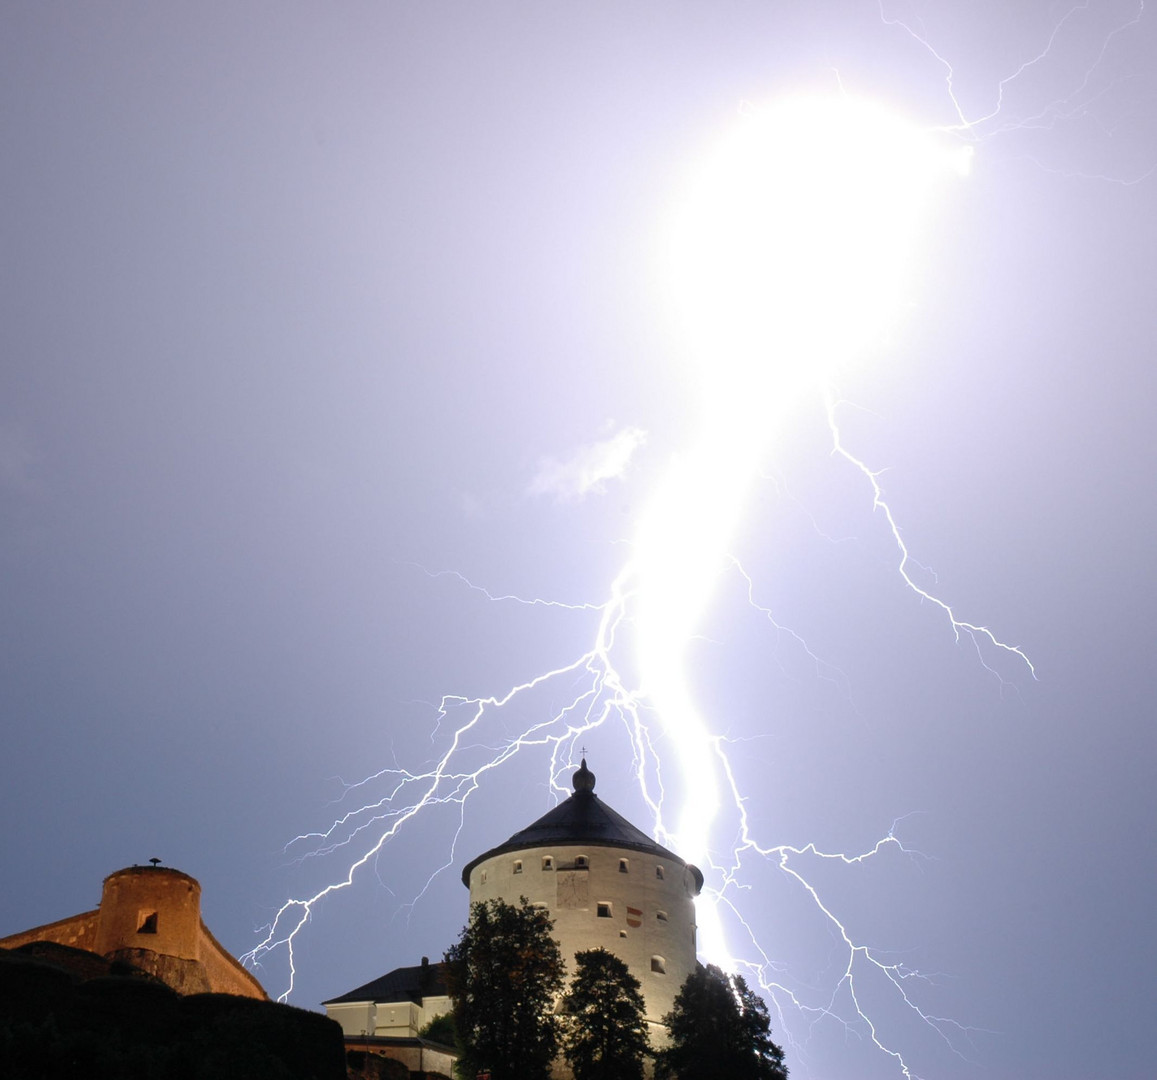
[773,338]
[1078,103]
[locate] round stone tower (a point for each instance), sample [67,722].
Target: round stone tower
[150,916]
[605,883]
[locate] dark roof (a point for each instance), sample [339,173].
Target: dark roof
[401,984]
[582,819]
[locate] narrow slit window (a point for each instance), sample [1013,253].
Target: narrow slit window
[659,872]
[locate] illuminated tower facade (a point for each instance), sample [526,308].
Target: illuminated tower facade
[605,883]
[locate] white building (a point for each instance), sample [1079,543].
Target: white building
[395,1005]
[384,1017]
[605,883]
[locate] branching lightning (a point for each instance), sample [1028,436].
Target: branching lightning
[790,256]
[978,635]
[1076,103]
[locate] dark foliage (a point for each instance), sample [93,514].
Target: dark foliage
[503,976]
[441,1030]
[719,1031]
[118,1028]
[363,1066]
[605,1027]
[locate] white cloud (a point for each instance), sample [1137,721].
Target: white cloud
[588,468]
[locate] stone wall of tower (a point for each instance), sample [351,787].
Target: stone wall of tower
[150,908]
[634,904]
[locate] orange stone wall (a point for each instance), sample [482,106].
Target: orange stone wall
[167,899]
[78,932]
[150,917]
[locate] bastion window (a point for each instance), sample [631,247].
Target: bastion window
[624,866]
[580,862]
[658,965]
[604,911]
[148,923]
[659,872]
[547,862]
[518,866]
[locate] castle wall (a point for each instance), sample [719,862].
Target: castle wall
[416,1054]
[224,972]
[79,932]
[150,917]
[634,904]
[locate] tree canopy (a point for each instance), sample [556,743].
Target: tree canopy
[503,976]
[440,1030]
[605,1027]
[719,1030]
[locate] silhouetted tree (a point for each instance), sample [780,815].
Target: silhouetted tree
[719,1031]
[441,1030]
[503,976]
[605,1027]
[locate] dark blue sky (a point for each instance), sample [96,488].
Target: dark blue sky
[296,303]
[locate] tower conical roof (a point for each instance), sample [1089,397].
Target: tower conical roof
[582,819]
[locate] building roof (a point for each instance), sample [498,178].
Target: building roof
[582,819]
[402,984]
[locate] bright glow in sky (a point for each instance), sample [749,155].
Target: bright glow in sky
[793,249]
[792,252]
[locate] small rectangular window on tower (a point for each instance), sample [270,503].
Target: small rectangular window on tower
[518,866]
[659,872]
[604,910]
[624,866]
[580,862]
[147,923]
[547,862]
